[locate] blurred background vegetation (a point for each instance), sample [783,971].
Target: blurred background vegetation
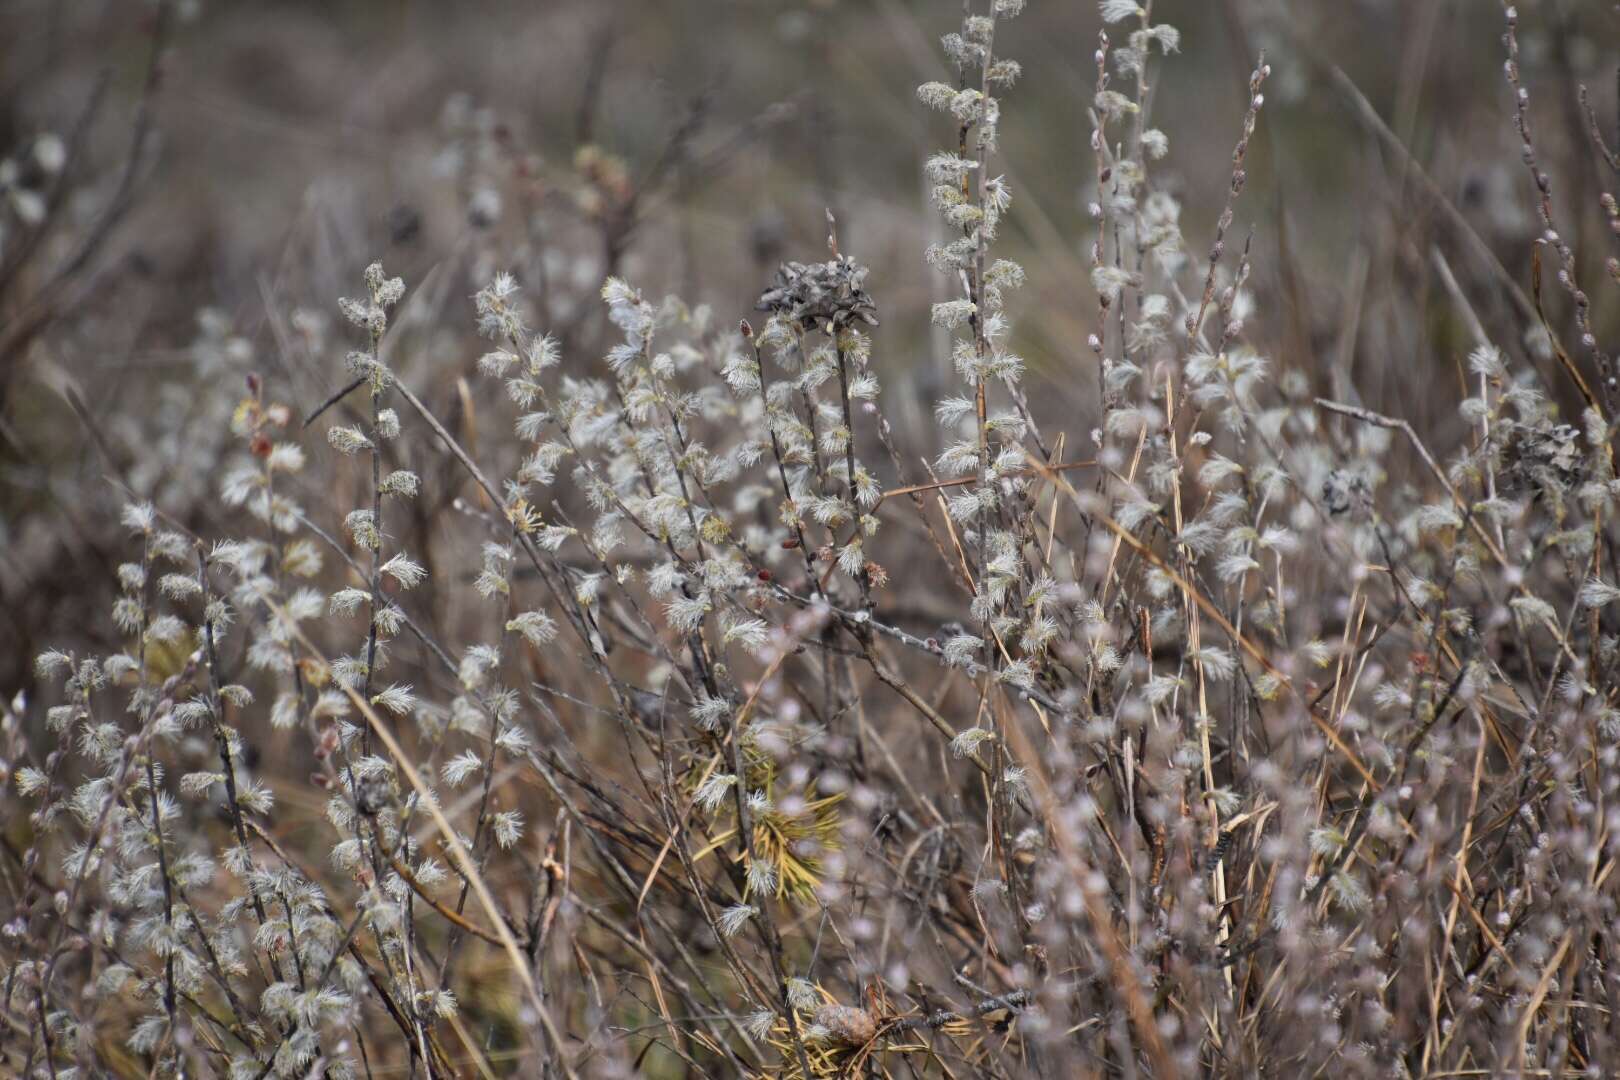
[275,148]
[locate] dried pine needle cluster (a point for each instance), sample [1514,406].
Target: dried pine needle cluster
[1262,739]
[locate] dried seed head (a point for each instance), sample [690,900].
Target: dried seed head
[829,293]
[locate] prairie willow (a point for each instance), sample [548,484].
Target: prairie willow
[641,695]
